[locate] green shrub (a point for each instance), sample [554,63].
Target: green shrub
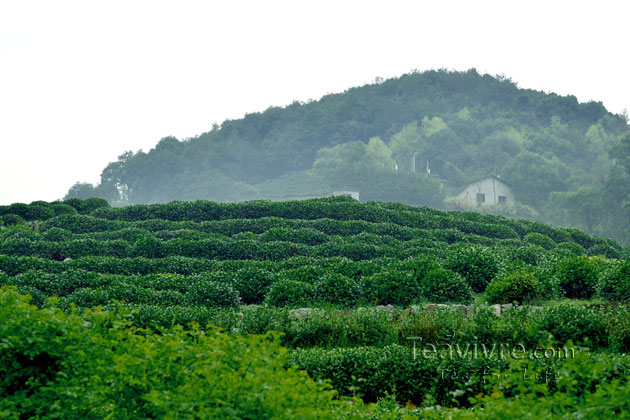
[520,286]
[130,234]
[16,265]
[241,250]
[156,316]
[307,236]
[293,293]
[296,262]
[88,205]
[449,236]
[604,249]
[278,250]
[260,319]
[580,237]
[204,248]
[12,219]
[252,283]
[89,297]
[77,223]
[572,247]
[57,235]
[529,254]
[72,279]
[619,329]
[577,277]
[393,287]
[475,263]
[39,211]
[445,286]
[60,208]
[582,325]
[540,239]
[337,289]
[149,247]
[615,282]
[495,231]
[42,281]
[52,361]
[556,234]
[205,291]
[306,273]
[368,327]
[243,236]
[375,372]
[319,329]
[341,265]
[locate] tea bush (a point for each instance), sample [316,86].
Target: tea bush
[578,277]
[540,239]
[252,283]
[615,282]
[521,286]
[337,289]
[93,366]
[445,286]
[374,372]
[581,325]
[394,287]
[243,266]
[604,249]
[305,273]
[572,247]
[57,235]
[293,293]
[475,263]
[11,220]
[206,291]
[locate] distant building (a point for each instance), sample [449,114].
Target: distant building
[353,194]
[487,191]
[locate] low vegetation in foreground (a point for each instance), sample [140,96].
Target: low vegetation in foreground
[320,308]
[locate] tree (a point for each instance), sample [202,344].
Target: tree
[407,142]
[378,154]
[81,190]
[370,170]
[534,177]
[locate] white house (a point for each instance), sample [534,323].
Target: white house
[488,191]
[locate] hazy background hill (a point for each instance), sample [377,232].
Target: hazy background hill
[568,163]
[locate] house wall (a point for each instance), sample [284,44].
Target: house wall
[492,188]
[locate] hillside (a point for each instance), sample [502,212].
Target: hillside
[554,151]
[157,310]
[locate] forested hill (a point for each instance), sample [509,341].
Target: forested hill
[553,151]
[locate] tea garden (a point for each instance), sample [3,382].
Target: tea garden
[305,309]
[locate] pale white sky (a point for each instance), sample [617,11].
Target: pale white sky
[83,81]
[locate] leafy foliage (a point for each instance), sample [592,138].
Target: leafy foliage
[520,286]
[475,263]
[445,286]
[96,365]
[243,266]
[615,284]
[290,293]
[566,161]
[578,277]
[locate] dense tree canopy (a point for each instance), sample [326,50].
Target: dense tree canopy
[567,162]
